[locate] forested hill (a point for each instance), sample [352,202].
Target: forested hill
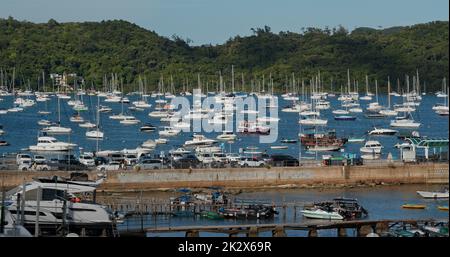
[95,49]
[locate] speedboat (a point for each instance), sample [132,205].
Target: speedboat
[321,214]
[147,128]
[51,144]
[227,136]
[382,131]
[199,140]
[371,147]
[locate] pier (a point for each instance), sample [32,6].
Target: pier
[313,228]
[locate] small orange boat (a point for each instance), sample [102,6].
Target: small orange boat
[414,206]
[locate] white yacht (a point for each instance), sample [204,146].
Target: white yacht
[227,136]
[371,146]
[382,131]
[51,144]
[169,131]
[199,140]
[405,122]
[60,203]
[130,120]
[56,130]
[94,134]
[314,121]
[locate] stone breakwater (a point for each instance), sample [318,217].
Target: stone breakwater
[131,180]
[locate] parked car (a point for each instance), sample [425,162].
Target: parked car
[100,160]
[189,161]
[283,160]
[150,164]
[130,159]
[66,164]
[87,160]
[27,165]
[21,157]
[251,162]
[109,166]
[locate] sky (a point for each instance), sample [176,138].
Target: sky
[215,21]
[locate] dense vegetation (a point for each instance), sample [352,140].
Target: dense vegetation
[95,49]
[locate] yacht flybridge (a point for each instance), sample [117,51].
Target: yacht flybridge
[51,144]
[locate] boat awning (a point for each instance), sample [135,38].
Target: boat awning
[429,143]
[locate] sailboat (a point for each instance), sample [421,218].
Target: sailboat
[368,95]
[388,111]
[405,122]
[57,129]
[143,102]
[375,106]
[96,133]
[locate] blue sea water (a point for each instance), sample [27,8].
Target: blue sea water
[22,129]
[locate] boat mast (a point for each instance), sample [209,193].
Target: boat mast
[389,93]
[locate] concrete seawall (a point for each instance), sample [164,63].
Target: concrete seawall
[254,177]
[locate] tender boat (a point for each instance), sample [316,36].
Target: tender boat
[414,206]
[427,194]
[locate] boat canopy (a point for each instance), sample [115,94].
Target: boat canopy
[429,142]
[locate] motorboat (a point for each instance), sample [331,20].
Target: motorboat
[321,214]
[227,136]
[253,128]
[56,130]
[76,118]
[345,117]
[199,140]
[169,131]
[60,203]
[404,122]
[147,128]
[104,109]
[371,146]
[428,194]
[355,110]
[149,144]
[46,143]
[130,120]
[315,121]
[94,134]
[382,131]
[87,125]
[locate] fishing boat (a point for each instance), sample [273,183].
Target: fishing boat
[382,131]
[321,214]
[414,206]
[427,194]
